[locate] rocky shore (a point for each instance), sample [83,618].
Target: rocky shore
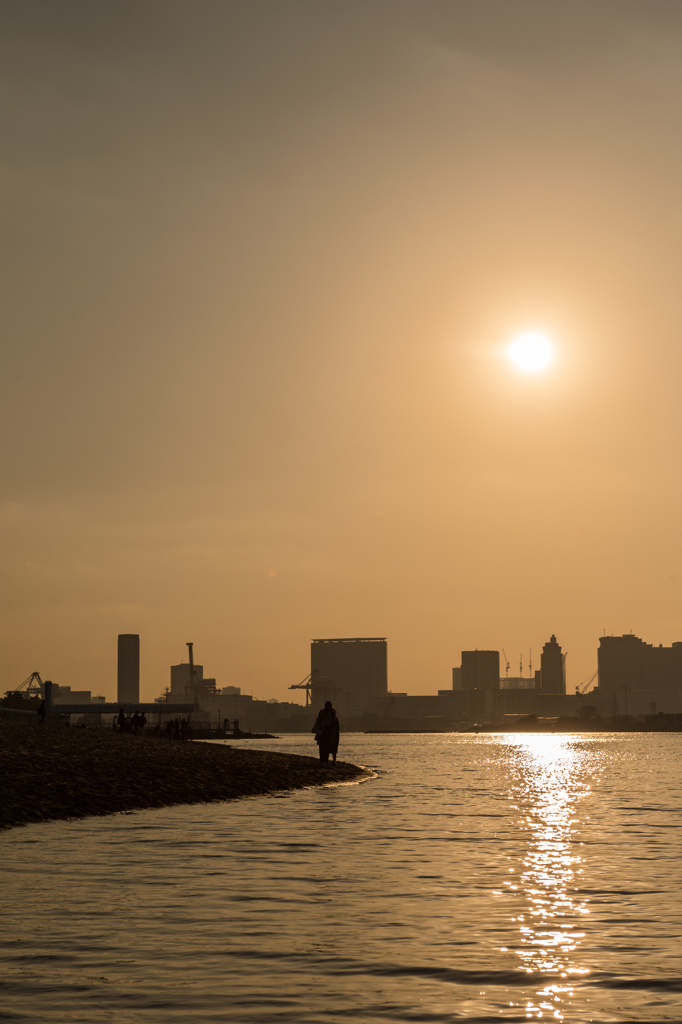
[53,772]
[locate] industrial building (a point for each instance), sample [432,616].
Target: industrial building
[65,695]
[182,684]
[128,688]
[216,704]
[637,678]
[352,673]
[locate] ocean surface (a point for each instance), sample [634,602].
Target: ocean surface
[477,878]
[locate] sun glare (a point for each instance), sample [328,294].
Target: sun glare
[530,352]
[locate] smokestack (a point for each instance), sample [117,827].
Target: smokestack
[128,668]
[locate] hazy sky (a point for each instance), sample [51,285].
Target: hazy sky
[260,262]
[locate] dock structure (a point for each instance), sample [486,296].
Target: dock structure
[110,708]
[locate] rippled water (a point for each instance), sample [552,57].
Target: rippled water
[478,878]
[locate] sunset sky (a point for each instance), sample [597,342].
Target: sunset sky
[262,261]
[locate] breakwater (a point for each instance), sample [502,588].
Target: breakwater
[49,773]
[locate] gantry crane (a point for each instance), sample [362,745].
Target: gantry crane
[34,686]
[307,685]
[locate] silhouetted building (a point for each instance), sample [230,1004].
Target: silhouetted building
[65,695]
[637,678]
[184,687]
[352,673]
[552,668]
[480,670]
[128,688]
[518,682]
[457,678]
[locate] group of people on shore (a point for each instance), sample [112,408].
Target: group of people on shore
[132,724]
[326,728]
[177,729]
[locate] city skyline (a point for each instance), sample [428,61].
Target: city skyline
[263,264]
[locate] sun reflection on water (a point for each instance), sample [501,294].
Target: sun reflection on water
[548,786]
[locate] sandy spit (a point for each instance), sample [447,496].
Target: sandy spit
[49,773]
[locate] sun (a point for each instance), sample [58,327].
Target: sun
[530,352]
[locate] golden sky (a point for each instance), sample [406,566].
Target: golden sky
[261,260]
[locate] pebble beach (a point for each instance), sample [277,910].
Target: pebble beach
[51,772]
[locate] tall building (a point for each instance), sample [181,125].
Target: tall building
[636,677]
[480,670]
[552,668]
[128,688]
[621,663]
[352,673]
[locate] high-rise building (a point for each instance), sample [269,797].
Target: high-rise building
[634,674]
[128,689]
[480,670]
[552,668]
[352,673]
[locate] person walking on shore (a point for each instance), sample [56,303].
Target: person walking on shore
[326,731]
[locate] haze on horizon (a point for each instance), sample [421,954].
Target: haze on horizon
[261,261]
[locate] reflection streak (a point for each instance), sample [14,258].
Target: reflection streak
[548,785]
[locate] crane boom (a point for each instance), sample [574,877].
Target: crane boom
[586,683]
[34,685]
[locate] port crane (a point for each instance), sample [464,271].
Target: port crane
[586,683]
[34,686]
[307,685]
[507,666]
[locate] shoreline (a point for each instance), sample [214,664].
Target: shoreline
[48,773]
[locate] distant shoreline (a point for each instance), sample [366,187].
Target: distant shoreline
[50,773]
[656,724]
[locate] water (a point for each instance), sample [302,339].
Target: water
[478,878]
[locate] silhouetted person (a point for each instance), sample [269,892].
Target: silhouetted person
[326,731]
[135,722]
[121,720]
[184,729]
[141,724]
[226,724]
[40,710]
[176,729]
